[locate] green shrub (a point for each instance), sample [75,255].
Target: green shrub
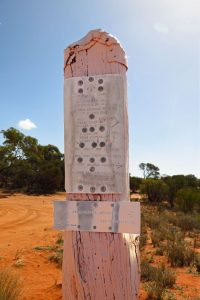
[143,236]
[56,251]
[186,199]
[170,217]
[45,248]
[164,277]
[161,278]
[159,251]
[158,236]
[179,254]
[147,271]
[153,221]
[60,240]
[173,234]
[155,291]
[57,257]
[197,263]
[135,183]
[155,189]
[143,240]
[165,233]
[9,285]
[187,222]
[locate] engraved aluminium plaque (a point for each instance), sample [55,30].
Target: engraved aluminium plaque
[95,136]
[97,216]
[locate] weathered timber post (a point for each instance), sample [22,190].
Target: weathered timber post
[97,264]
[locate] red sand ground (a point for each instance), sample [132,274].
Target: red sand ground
[26,222]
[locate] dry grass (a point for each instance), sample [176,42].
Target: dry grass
[9,285]
[55,250]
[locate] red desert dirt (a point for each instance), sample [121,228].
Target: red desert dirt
[25,223]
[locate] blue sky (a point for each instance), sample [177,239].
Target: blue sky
[162,42]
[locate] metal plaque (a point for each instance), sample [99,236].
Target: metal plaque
[97,216]
[96,141]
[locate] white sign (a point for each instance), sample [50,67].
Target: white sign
[97,216]
[95,138]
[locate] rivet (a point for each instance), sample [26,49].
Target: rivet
[80,91]
[91,79]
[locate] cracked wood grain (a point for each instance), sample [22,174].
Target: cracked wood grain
[99,266]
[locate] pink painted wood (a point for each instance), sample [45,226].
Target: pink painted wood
[99,266]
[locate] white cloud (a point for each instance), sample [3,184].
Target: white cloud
[26,124]
[161,27]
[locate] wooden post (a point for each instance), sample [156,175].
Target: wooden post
[99,266]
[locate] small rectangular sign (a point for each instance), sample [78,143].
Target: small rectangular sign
[97,216]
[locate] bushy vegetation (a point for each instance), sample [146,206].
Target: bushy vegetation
[197,263]
[168,236]
[27,166]
[187,222]
[178,182]
[135,183]
[9,285]
[158,278]
[175,237]
[143,236]
[55,251]
[179,253]
[180,191]
[156,190]
[187,198]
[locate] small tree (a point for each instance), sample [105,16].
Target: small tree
[155,189]
[149,170]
